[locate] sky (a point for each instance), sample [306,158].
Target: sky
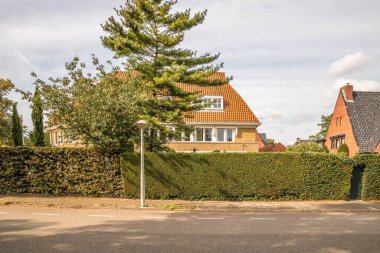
[288,58]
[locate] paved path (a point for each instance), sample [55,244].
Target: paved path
[26,229]
[245,206]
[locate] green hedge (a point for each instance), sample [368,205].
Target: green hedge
[371,175]
[261,176]
[61,171]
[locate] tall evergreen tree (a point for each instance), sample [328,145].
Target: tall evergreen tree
[16,127]
[148,35]
[37,117]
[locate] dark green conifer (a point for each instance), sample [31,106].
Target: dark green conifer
[38,117]
[147,34]
[16,127]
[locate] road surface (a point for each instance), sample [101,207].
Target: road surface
[40,230]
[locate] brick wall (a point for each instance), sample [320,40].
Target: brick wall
[340,124]
[245,141]
[377,150]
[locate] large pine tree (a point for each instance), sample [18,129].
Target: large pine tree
[37,117]
[147,34]
[16,127]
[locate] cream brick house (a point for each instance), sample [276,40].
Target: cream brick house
[227,123]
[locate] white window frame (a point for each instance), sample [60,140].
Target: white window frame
[212,97]
[203,134]
[225,134]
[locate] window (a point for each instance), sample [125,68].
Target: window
[56,138]
[229,134]
[213,103]
[343,141]
[162,97]
[332,144]
[186,135]
[199,133]
[224,134]
[340,121]
[208,134]
[337,143]
[336,121]
[204,134]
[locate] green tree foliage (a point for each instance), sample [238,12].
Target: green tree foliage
[16,127]
[99,109]
[5,111]
[324,125]
[147,34]
[38,119]
[306,147]
[343,149]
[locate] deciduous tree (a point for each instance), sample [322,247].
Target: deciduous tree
[100,110]
[324,125]
[5,111]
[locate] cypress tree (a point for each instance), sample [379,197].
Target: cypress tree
[37,117]
[148,36]
[16,127]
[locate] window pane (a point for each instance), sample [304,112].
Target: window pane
[229,134]
[220,134]
[208,134]
[199,134]
[343,140]
[332,144]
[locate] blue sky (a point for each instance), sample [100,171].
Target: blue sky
[288,58]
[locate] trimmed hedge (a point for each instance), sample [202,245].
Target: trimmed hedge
[61,171]
[259,176]
[371,176]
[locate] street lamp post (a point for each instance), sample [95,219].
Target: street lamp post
[142,124]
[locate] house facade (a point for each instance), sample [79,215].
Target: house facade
[355,122]
[227,124]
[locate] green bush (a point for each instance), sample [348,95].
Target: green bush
[61,171]
[371,175]
[343,149]
[261,176]
[306,147]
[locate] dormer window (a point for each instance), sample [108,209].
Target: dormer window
[213,103]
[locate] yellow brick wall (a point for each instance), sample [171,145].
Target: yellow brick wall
[245,141]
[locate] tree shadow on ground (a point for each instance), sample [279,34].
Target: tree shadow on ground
[178,232]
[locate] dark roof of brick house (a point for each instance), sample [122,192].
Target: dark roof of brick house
[364,114]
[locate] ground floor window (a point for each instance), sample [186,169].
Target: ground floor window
[203,134]
[224,134]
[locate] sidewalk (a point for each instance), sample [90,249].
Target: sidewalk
[26,200]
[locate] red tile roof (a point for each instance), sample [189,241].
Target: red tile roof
[235,109]
[278,147]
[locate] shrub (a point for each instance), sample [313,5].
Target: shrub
[62,171]
[343,149]
[306,147]
[371,176]
[259,176]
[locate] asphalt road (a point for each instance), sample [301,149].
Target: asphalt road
[40,230]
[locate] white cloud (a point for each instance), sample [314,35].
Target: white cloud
[268,114]
[359,85]
[349,64]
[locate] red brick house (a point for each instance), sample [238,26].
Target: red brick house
[355,122]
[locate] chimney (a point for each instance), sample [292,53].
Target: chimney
[347,91]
